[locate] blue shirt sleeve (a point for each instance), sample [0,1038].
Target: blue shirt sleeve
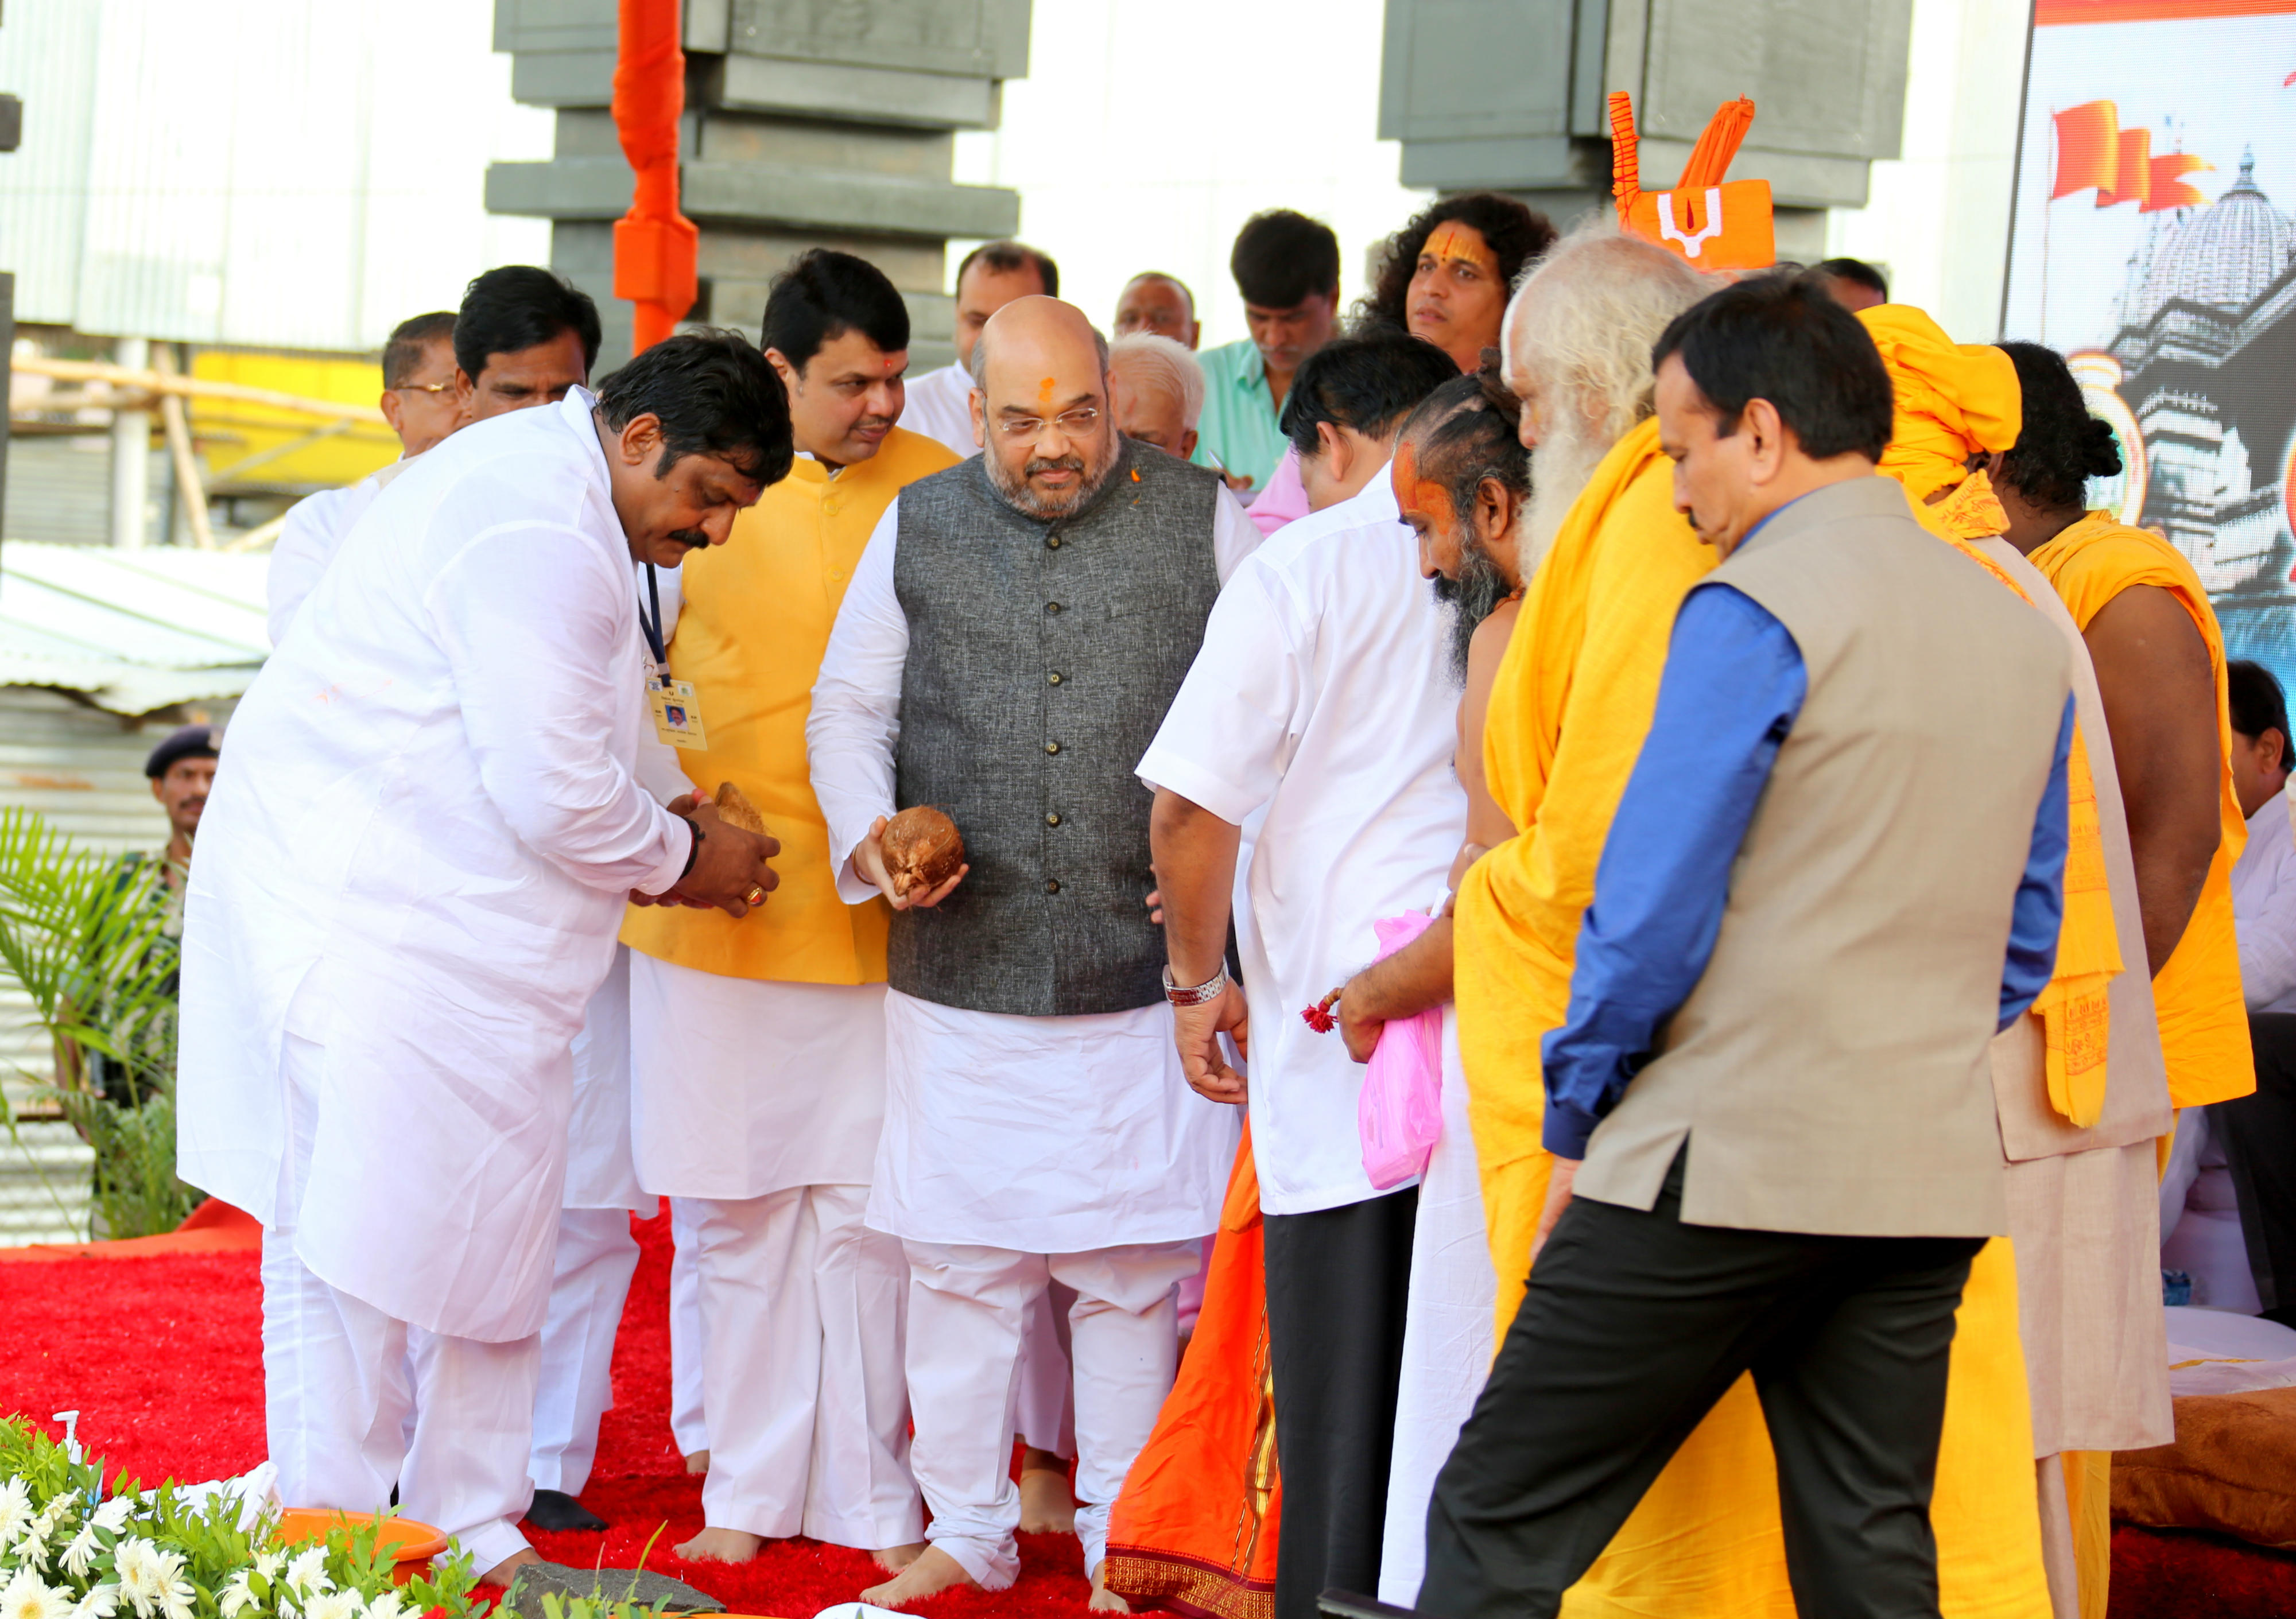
[1732,687]
[2040,909]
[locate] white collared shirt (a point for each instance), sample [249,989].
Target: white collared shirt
[939,407]
[417,857]
[1324,695]
[2263,907]
[309,540]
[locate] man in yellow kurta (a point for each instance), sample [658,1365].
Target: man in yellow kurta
[2080,1084]
[758,1065]
[1571,708]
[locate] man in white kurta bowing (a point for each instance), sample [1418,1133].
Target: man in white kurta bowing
[414,865]
[1010,640]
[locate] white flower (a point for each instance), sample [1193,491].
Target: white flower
[333,1605]
[32,1551]
[269,1564]
[237,1595]
[100,1602]
[15,1509]
[81,1552]
[29,1597]
[387,1606]
[306,1576]
[152,1579]
[112,1516]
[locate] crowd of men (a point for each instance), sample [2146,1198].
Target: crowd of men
[1820,827]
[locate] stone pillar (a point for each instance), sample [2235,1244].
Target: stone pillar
[131,454]
[1513,98]
[806,125]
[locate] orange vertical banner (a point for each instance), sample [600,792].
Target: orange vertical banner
[656,248]
[2132,181]
[2089,148]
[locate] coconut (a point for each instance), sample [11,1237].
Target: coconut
[923,849]
[735,808]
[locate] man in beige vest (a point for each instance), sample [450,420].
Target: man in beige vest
[1835,874]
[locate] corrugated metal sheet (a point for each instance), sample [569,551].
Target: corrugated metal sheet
[305,175]
[131,631]
[60,490]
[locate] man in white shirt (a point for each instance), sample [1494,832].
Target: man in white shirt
[2229,1193]
[1008,642]
[420,402]
[1323,695]
[989,277]
[407,892]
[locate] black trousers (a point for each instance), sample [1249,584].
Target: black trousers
[2258,1136]
[1337,1284]
[1635,1325]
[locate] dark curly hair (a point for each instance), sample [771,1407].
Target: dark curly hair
[1516,234]
[2061,446]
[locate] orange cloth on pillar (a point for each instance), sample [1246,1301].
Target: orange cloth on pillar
[1195,1528]
[2197,993]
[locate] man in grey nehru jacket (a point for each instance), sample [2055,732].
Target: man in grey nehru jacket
[1010,642]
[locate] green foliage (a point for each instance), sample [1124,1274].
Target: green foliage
[88,938]
[166,1554]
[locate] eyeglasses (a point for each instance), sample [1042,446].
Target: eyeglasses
[424,387]
[1072,424]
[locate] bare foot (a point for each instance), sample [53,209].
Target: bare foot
[721,1545]
[893,1559]
[699,1462]
[932,1572]
[503,1573]
[1046,1505]
[1105,1600]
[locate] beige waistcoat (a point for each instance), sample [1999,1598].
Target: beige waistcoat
[1830,1069]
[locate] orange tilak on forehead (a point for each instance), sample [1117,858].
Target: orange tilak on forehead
[1045,391]
[1462,244]
[1423,496]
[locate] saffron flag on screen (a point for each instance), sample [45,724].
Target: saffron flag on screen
[2089,148]
[2132,180]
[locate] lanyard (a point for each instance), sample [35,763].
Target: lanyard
[652,626]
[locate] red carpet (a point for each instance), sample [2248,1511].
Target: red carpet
[160,1356]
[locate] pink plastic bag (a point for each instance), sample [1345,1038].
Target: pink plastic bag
[1400,1110]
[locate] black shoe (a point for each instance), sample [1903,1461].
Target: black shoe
[1346,1605]
[556,1510]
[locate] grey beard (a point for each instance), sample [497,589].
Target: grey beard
[1479,589]
[1016,494]
[1560,469]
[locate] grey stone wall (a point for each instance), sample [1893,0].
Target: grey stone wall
[809,122]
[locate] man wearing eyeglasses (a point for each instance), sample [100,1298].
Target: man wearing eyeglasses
[1010,637]
[420,402]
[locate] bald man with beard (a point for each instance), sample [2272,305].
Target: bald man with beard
[1012,635]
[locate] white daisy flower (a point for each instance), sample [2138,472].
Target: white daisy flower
[152,1579]
[81,1552]
[15,1509]
[269,1563]
[389,1604]
[306,1576]
[100,1602]
[333,1605]
[112,1516]
[237,1595]
[26,1595]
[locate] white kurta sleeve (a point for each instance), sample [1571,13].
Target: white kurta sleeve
[533,626]
[1230,734]
[1235,536]
[856,707]
[305,546]
[2268,933]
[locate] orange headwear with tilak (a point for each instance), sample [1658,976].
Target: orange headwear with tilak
[1954,401]
[1713,225]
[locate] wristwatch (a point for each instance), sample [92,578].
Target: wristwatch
[1210,989]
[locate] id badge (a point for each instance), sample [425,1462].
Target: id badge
[676,716]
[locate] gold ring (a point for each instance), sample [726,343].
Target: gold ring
[755,897]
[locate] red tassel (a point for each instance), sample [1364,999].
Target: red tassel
[1319,1020]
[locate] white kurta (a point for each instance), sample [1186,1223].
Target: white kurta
[309,540]
[1036,1135]
[2264,906]
[1323,693]
[429,813]
[939,407]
